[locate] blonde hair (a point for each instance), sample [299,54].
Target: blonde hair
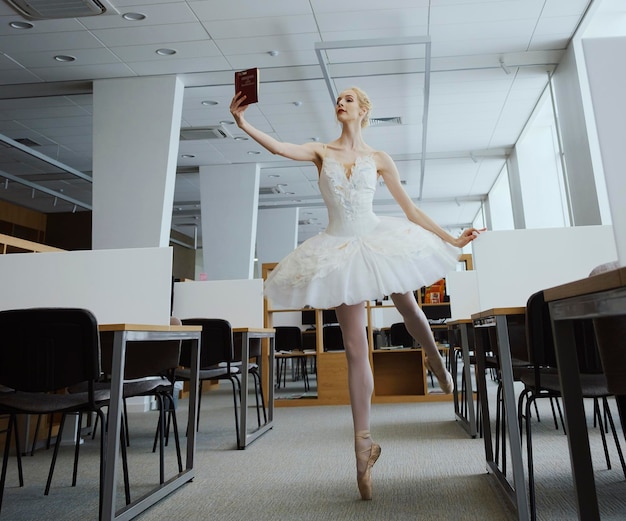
[364,101]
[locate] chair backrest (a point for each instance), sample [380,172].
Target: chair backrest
[216,342]
[540,340]
[399,336]
[287,338]
[47,349]
[333,338]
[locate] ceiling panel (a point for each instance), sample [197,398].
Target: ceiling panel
[475,109]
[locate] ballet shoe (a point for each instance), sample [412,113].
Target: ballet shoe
[367,456]
[445,379]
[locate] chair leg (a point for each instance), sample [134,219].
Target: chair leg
[7,445]
[123,449]
[609,416]
[529,457]
[18,455]
[172,416]
[597,416]
[77,448]
[236,391]
[57,444]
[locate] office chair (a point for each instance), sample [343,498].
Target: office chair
[217,361]
[45,350]
[287,340]
[543,382]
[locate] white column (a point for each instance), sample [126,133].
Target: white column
[136,127]
[277,234]
[229,198]
[584,192]
[607,82]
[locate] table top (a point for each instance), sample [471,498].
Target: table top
[499,311]
[459,321]
[146,327]
[603,282]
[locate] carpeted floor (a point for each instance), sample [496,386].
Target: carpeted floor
[303,469]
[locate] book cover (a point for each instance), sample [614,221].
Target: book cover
[247,82]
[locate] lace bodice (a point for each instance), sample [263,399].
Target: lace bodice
[349,196]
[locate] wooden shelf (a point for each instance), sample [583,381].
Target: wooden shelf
[399,374]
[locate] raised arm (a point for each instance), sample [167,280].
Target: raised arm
[389,172]
[305,152]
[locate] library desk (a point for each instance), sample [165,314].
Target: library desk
[595,297]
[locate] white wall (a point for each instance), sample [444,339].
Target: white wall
[131,285]
[238,301]
[511,265]
[277,234]
[608,87]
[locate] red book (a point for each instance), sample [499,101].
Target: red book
[247,82]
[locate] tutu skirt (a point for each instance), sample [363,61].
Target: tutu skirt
[396,256]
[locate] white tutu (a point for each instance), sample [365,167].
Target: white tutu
[326,270]
[365,257]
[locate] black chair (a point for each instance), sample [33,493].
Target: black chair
[217,361]
[543,382]
[43,351]
[399,335]
[149,371]
[333,338]
[288,343]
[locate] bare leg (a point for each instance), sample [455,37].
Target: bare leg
[417,325]
[361,385]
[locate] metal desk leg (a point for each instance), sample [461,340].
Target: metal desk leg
[510,408]
[113,431]
[469,394]
[246,438]
[577,435]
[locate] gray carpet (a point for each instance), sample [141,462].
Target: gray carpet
[303,469]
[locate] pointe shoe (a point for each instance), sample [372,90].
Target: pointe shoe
[444,379]
[364,480]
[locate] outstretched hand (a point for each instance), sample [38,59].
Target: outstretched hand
[467,236]
[237,109]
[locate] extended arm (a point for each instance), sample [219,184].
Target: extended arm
[390,175]
[305,152]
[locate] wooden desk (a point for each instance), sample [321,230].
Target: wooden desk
[123,337]
[247,334]
[466,412]
[496,323]
[594,297]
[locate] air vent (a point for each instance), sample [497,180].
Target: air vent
[48,9]
[272,190]
[27,142]
[386,122]
[202,133]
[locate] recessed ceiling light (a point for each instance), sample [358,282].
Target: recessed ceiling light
[64,58]
[226,122]
[241,138]
[134,17]
[21,25]
[274,175]
[253,152]
[165,52]
[273,53]
[188,156]
[297,103]
[208,102]
[315,138]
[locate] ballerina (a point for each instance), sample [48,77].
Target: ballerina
[361,256]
